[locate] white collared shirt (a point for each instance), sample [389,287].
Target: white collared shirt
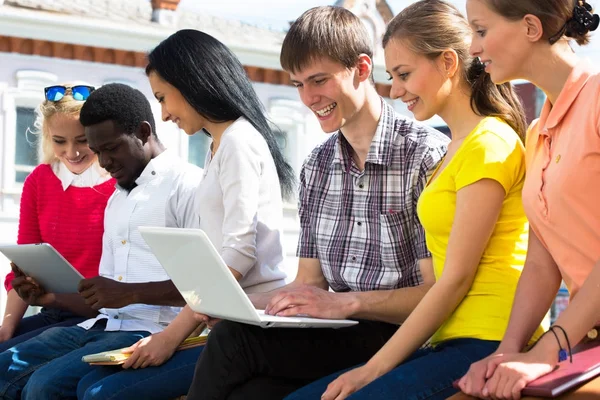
[164,196]
[94,175]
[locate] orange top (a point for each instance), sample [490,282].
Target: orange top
[561,195]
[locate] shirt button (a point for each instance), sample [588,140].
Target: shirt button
[153,172]
[359,223]
[120,278]
[123,241]
[353,258]
[116,317]
[361,185]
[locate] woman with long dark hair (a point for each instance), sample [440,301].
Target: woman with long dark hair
[203,88]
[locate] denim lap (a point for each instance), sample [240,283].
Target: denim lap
[167,381]
[49,365]
[428,374]
[33,326]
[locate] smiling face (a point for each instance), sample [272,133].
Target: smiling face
[174,107]
[421,83]
[69,142]
[330,91]
[501,44]
[122,154]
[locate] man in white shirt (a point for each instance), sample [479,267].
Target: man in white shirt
[133,296]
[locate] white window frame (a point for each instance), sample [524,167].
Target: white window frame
[28,93]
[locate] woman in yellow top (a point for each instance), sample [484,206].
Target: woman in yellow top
[471,210]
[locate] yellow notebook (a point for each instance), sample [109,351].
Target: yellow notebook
[117,357]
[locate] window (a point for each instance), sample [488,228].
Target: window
[281,136]
[26,157]
[198,145]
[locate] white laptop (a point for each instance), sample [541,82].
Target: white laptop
[208,286]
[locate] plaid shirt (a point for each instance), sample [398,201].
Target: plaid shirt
[363,225]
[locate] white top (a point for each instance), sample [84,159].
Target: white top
[94,175]
[240,207]
[164,196]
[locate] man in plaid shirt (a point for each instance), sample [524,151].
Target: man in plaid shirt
[360,235]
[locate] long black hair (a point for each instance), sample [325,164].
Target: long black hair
[213,81]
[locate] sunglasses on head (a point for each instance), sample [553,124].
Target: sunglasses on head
[79,92]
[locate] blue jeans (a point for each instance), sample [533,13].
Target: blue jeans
[49,366]
[170,380]
[36,324]
[427,374]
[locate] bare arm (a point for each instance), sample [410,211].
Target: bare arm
[540,280]
[309,295]
[67,301]
[15,309]
[471,231]
[100,292]
[392,306]
[582,314]
[156,293]
[156,349]
[309,273]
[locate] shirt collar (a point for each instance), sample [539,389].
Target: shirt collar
[92,176]
[380,151]
[552,115]
[158,166]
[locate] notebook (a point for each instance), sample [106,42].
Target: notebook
[208,286]
[117,357]
[585,366]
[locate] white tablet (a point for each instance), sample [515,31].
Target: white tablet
[43,263]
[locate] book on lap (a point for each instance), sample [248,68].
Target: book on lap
[117,357]
[585,366]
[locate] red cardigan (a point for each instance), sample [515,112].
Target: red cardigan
[71,220]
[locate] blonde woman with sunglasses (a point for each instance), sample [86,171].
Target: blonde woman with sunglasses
[63,204]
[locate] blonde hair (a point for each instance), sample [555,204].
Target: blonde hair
[429,27]
[66,106]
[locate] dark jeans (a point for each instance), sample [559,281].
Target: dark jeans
[168,381]
[427,374]
[248,362]
[49,365]
[34,325]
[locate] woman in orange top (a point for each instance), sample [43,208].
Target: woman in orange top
[530,40]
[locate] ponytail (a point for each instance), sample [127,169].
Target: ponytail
[490,99]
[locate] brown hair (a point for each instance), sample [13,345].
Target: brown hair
[429,27]
[66,106]
[556,16]
[332,32]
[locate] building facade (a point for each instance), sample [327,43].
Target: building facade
[45,42]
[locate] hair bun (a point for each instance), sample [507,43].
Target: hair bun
[583,21]
[475,70]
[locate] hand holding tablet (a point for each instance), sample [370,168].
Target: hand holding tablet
[49,270]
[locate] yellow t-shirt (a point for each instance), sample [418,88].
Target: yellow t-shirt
[491,151]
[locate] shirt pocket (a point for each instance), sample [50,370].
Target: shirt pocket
[394,249]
